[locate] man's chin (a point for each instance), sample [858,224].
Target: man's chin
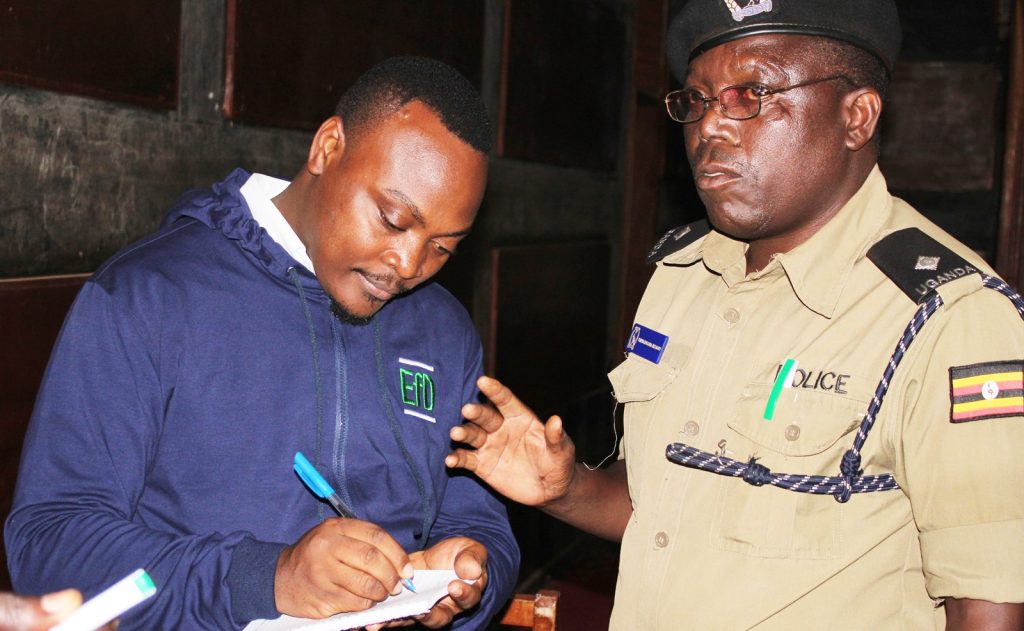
[345,315]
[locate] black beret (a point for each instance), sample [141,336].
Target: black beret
[701,25]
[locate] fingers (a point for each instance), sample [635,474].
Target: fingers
[483,416]
[367,562]
[20,612]
[403,622]
[31,612]
[460,458]
[476,437]
[440,615]
[490,418]
[339,565]
[470,565]
[61,603]
[382,557]
[499,394]
[464,595]
[473,436]
[471,561]
[468,434]
[461,597]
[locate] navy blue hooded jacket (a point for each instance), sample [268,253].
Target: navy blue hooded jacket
[191,368]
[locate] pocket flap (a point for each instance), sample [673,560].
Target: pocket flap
[637,379]
[805,423]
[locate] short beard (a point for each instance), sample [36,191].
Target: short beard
[347,316]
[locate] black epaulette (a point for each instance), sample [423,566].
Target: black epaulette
[917,263]
[676,239]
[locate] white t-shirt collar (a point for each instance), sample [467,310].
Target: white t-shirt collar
[259,191]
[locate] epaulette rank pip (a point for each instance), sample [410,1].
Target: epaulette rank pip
[676,239]
[917,263]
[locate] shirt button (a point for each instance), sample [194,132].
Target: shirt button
[661,540]
[792,432]
[731,316]
[691,428]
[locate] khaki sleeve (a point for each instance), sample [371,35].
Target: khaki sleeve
[963,467]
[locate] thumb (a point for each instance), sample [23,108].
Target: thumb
[61,603]
[553,431]
[470,562]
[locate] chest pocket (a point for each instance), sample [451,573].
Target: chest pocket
[637,380]
[639,384]
[805,423]
[808,434]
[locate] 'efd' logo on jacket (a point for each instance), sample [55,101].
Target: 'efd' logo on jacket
[417,387]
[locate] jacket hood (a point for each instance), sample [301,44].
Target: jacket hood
[223,208]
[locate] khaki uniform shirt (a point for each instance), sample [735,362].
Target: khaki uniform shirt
[704,551]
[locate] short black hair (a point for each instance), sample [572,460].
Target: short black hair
[862,67]
[386,87]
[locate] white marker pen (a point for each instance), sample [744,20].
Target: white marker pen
[110,603]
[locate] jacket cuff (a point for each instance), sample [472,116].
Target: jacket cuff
[251,580]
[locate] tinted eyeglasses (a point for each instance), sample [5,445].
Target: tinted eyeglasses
[738,102]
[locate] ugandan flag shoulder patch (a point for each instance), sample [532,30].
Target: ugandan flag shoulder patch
[983,391]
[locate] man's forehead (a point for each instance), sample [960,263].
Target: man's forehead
[702,25]
[759,56]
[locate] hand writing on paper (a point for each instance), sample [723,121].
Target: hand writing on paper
[339,565]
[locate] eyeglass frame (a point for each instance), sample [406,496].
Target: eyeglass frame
[706,100]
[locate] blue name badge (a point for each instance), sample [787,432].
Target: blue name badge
[647,343]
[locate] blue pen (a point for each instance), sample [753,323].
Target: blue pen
[322,489]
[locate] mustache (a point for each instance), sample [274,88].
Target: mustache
[707,154]
[388,280]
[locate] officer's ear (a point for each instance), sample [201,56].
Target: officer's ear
[328,143]
[861,110]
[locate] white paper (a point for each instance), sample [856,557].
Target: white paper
[431,586]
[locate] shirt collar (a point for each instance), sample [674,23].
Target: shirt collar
[259,191]
[819,268]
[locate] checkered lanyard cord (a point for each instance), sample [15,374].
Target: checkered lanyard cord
[851,478]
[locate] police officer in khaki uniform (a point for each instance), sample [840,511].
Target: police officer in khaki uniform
[796,455]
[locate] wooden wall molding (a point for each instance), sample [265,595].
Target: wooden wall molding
[644,157]
[1010,238]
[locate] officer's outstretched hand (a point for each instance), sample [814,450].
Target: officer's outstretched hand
[522,458]
[339,565]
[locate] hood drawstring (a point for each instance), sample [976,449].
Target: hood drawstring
[315,347]
[424,532]
[393,424]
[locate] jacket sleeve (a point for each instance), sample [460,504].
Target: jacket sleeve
[471,510]
[95,429]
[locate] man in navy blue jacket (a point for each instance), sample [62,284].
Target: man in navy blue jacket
[265,318]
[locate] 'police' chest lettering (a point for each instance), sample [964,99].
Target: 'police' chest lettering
[827,380]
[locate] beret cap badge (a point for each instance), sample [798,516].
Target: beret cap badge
[753,7]
[700,25]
